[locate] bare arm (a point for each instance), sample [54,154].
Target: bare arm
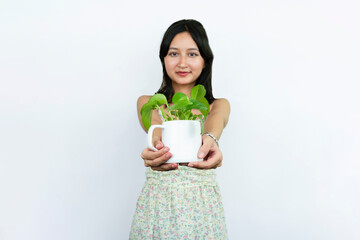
[218,117]
[214,124]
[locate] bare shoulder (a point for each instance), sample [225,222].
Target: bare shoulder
[220,110]
[222,101]
[142,100]
[220,104]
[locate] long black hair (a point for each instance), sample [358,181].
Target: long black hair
[198,33]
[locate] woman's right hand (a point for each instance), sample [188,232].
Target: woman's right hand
[157,159]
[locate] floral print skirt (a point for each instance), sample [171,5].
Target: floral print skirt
[179,204]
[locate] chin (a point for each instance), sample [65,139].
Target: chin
[184,82]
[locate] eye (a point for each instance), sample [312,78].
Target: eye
[173,54]
[193,54]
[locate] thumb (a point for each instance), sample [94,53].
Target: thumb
[204,150]
[158,144]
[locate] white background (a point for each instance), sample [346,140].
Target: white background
[70,141]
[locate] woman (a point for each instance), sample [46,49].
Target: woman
[183,203]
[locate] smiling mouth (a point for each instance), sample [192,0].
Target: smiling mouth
[183,74]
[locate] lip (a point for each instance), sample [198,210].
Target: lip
[183,74]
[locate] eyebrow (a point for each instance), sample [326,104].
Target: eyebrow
[174,48]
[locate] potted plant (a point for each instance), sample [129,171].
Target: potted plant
[182,129]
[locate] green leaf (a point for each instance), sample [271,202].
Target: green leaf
[190,116]
[206,103]
[146,114]
[181,108]
[187,115]
[182,116]
[158,99]
[165,115]
[198,92]
[179,96]
[197,116]
[197,105]
[179,114]
[146,111]
[181,104]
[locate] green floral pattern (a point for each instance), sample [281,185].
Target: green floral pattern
[179,204]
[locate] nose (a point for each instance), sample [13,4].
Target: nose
[182,62]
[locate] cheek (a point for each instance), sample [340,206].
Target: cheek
[199,65]
[169,64]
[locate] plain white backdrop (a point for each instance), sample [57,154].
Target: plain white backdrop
[70,141]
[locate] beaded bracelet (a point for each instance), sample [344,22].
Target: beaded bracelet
[212,136]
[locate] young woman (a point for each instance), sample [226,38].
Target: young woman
[182,201]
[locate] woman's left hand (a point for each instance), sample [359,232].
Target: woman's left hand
[210,152]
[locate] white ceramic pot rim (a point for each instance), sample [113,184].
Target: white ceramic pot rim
[171,121]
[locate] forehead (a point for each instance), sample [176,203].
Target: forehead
[183,41]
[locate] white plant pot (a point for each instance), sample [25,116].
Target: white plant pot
[183,137]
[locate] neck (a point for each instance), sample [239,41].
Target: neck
[183,88]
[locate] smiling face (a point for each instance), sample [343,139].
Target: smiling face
[183,62]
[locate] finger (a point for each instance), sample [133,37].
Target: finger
[201,165]
[158,144]
[166,167]
[149,154]
[159,161]
[205,165]
[213,160]
[204,149]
